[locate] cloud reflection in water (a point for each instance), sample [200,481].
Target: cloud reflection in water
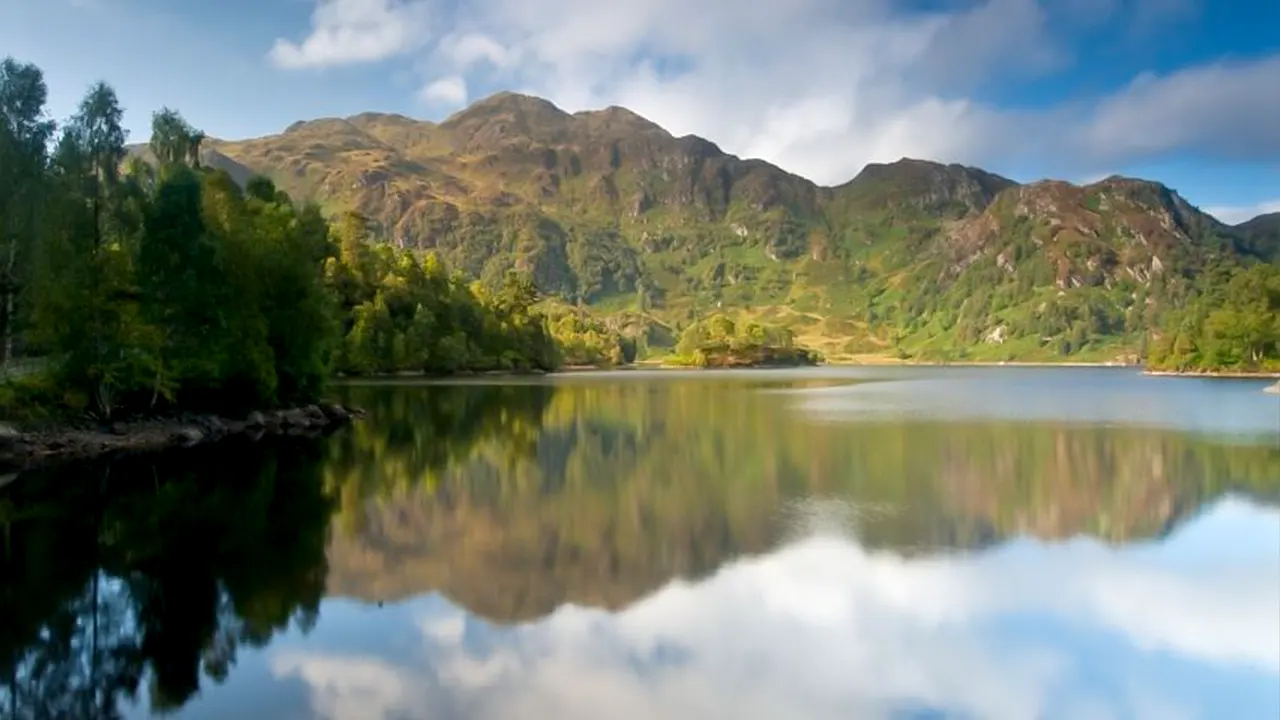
[823,628]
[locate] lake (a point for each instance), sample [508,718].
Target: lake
[823,543]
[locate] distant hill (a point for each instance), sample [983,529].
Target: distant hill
[913,257]
[1263,233]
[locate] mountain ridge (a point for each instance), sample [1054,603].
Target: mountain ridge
[607,209]
[503,98]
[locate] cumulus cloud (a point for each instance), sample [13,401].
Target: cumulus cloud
[825,628]
[449,91]
[821,87]
[1229,109]
[465,50]
[354,31]
[1236,214]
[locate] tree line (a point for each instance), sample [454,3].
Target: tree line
[1230,321]
[718,341]
[157,284]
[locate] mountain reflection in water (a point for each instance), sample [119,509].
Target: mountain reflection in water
[673,545]
[824,628]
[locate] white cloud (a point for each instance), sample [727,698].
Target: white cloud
[821,87]
[468,49]
[450,91]
[348,687]
[1236,214]
[352,31]
[825,628]
[1223,109]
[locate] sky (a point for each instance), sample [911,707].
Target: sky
[1182,91]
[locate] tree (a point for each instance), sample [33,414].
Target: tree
[173,141]
[86,303]
[25,133]
[169,287]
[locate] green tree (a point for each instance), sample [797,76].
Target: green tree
[25,133]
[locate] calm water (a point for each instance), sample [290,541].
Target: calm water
[830,543]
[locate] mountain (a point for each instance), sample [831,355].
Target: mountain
[1263,234]
[608,209]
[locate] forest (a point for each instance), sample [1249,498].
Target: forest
[1232,321]
[140,286]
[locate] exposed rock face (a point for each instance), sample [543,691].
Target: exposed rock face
[1095,235]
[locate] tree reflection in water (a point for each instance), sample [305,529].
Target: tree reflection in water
[144,572]
[141,581]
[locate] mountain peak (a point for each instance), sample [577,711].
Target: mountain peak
[923,184]
[507,117]
[385,117]
[618,120]
[509,103]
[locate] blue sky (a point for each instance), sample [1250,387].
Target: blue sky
[1183,91]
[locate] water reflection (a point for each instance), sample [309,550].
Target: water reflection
[129,581]
[597,492]
[824,627]
[1106,396]
[670,546]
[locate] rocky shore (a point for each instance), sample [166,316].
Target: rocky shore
[28,450]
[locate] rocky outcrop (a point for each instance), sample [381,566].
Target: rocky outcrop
[27,450]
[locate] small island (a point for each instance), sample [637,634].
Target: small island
[719,342]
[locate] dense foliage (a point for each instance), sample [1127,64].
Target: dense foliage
[1232,322]
[718,341]
[585,339]
[405,313]
[149,286]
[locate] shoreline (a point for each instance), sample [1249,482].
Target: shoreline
[23,451]
[1222,374]
[859,363]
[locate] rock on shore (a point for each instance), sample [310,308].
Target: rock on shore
[24,451]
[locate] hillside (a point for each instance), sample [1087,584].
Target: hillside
[913,257]
[1263,233]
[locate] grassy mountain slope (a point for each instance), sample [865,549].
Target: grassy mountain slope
[913,257]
